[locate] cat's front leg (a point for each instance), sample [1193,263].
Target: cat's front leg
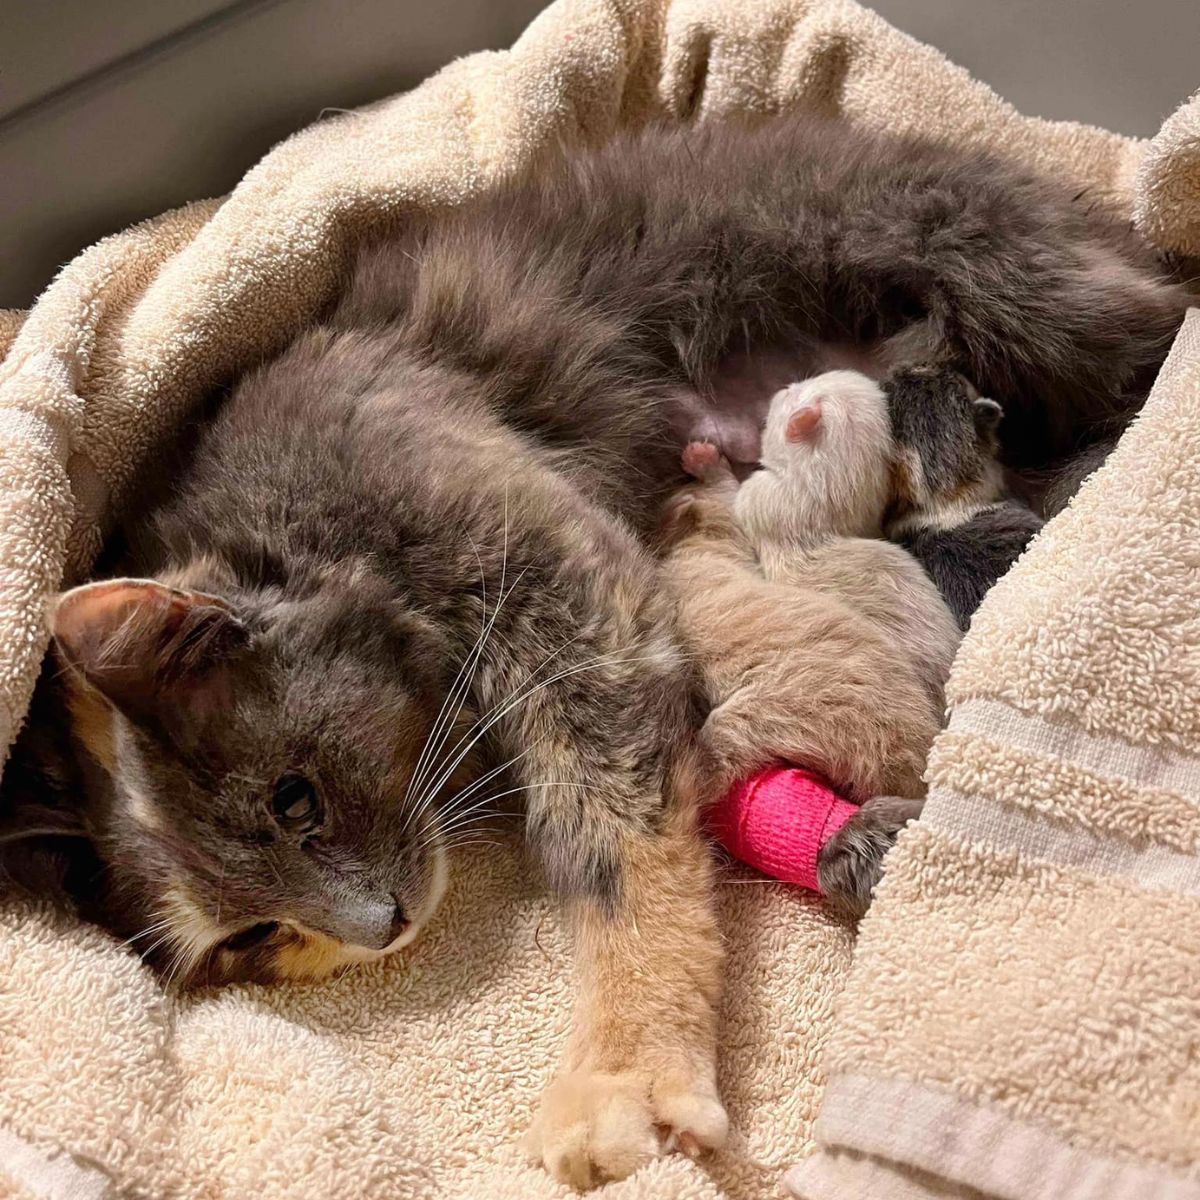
[614,786]
[639,1074]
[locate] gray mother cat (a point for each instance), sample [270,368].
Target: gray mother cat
[409,549]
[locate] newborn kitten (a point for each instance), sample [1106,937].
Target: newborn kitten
[414,534]
[814,514]
[951,512]
[820,644]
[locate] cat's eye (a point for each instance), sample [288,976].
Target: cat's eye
[295,803]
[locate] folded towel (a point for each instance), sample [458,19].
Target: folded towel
[414,1077]
[1167,192]
[1023,1015]
[1021,1019]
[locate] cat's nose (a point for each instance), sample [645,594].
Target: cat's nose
[400,924]
[373,923]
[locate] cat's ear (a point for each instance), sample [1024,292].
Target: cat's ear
[148,647]
[988,415]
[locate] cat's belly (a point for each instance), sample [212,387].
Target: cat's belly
[731,413]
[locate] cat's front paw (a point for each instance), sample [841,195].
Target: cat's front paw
[850,864]
[595,1126]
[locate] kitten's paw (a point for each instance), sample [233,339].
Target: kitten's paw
[850,864]
[704,461]
[595,1126]
[677,518]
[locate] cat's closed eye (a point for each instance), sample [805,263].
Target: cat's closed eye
[295,803]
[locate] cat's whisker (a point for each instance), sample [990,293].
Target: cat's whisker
[434,738]
[513,701]
[419,770]
[465,814]
[158,941]
[176,963]
[428,794]
[154,927]
[450,806]
[476,827]
[461,686]
[467,818]
[40,831]
[426,798]
[488,719]
[420,774]
[532,675]
[475,841]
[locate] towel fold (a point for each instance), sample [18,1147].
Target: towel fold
[1023,1016]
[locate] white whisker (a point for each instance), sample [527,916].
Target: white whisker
[481,727]
[164,923]
[418,770]
[450,805]
[465,815]
[461,686]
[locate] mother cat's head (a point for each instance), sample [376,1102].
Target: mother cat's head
[252,762]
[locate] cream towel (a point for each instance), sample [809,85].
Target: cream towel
[1023,1017]
[412,1078]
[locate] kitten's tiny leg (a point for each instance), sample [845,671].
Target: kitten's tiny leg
[850,864]
[701,513]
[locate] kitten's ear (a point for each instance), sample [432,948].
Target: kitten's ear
[988,415]
[144,645]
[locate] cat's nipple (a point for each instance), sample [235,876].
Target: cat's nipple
[803,424]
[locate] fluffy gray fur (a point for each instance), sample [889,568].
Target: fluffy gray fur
[474,436]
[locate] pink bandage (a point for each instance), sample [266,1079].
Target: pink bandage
[778,820]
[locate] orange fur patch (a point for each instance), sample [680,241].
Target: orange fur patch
[91,721]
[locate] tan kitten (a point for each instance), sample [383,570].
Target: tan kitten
[820,644]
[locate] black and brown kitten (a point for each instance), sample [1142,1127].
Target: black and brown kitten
[434,498]
[952,511]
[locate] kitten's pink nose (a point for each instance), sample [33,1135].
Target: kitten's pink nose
[803,424]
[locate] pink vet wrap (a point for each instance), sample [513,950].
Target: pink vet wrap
[778,820]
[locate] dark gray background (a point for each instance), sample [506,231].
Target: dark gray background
[113,110]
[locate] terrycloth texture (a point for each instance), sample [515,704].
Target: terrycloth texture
[409,1080]
[1167,198]
[1023,1016]
[414,1078]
